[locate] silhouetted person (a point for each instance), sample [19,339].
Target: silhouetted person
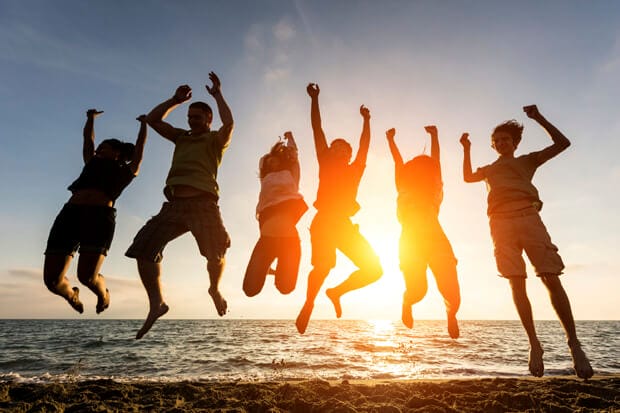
[192,193]
[331,228]
[86,222]
[513,210]
[280,206]
[423,242]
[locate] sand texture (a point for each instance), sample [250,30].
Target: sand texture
[554,394]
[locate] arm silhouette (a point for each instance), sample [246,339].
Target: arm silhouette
[468,175]
[88,149]
[362,152]
[155,118]
[560,142]
[228,124]
[320,143]
[136,160]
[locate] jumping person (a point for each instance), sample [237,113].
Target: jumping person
[513,210]
[86,222]
[279,208]
[192,193]
[331,228]
[423,242]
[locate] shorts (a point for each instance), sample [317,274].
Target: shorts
[328,233]
[87,228]
[423,244]
[513,233]
[198,215]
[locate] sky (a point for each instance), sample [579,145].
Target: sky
[464,66]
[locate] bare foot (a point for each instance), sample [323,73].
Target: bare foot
[151,318]
[218,300]
[453,326]
[75,302]
[583,369]
[103,302]
[303,318]
[535,364]
[335,298]
[407,316]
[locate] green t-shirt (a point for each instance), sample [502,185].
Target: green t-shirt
[195,162]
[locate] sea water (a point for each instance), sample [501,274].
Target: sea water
[62,350]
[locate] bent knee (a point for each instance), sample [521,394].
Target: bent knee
[87,278]
[374,271]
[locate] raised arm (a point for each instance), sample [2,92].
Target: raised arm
[398,159]
[228,124]
[432,130]
[156,116]
[292,146]
[88,149]
[362,152]
[560,142]
[468,175]
[320,143]
[134,165]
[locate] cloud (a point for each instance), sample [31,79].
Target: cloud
[270,48]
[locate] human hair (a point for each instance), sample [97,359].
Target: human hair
[202,106]
[511,127]
[421,178]
[286,155]
[125,149]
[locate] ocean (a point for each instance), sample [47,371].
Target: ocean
[248,350]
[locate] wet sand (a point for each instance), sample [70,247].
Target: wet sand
[549,394]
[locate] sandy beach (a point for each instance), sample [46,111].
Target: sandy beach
[553,394]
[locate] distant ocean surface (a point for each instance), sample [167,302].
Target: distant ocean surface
[64,350]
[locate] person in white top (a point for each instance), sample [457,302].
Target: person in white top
[279,208]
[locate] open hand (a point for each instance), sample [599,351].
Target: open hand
[313,90]
[182,94]
[215,84]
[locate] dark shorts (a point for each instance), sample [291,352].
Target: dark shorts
[328,233]
[89,228]
[198,215]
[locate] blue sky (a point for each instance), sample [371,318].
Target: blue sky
[464,66]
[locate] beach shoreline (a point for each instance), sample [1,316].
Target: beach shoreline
[552,393]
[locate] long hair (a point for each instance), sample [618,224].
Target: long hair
[285,154]
[422,179]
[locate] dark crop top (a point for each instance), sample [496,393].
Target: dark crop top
[106,175]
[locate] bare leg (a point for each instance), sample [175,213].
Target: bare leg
[88,269]
[561,304]
[287,269]
[315,281]
[215,269]
[258,267]
[416,287]
[524,308]
[358,279]
[448,285]
[54,270]
[150,274]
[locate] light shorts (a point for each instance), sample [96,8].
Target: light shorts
[199,215]
[517,231]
